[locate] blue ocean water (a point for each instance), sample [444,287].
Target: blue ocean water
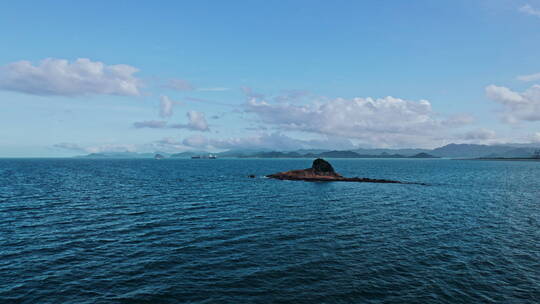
[201,231]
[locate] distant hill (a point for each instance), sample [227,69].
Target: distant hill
[423,155]
[339,154]
[469,150]
[514,153]
[449,151]
[404,152]
[119,155]
[274,154]
[241,153]
[326,154]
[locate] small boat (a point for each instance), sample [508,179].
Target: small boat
[209,156]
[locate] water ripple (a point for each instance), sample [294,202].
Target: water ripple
[145,231]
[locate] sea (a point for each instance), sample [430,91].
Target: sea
[201,231]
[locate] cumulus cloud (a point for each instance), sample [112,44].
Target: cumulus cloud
[518,107]
[166,106]
[531,77]
[291,96]
[529,10]
[180,85]
[196,122]
[197,141]
[458,120]
[61,77]
[479,135]
[385,121]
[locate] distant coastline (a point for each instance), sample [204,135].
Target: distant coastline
[506,158]
[453,151]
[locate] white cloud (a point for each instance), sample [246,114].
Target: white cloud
[479,135]
[197,141]
[529,10]
[291,96]
[153,124]
[166,106]
[97,148]
[518,107]
[274,141]
[535,138]
[250,93]
[69,146]
[61,77]
[184,85]
[112,148]
[180,85]
[168,145]
[385,121]
[503,95]
[196,122]
[531,77]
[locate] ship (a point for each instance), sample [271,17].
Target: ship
[209,156]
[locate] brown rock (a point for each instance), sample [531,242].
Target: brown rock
[322,171]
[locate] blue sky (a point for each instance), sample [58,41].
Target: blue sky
[81,77]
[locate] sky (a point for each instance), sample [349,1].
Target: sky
[79,77]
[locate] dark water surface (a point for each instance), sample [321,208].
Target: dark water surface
[200,231]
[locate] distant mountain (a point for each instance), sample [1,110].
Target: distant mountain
[450,151]
[339,154]
[514,153]
[325,154]
[423,155]
[311,151]
[404,152]
[275,154]
[469,150]
[118,155]
[241,153]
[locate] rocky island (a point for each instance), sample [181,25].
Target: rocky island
[322,171]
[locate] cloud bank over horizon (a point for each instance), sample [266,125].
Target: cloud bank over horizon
[339,123]
[379,121]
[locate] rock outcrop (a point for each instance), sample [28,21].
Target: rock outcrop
[322,171]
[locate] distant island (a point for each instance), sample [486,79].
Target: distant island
[464,151]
